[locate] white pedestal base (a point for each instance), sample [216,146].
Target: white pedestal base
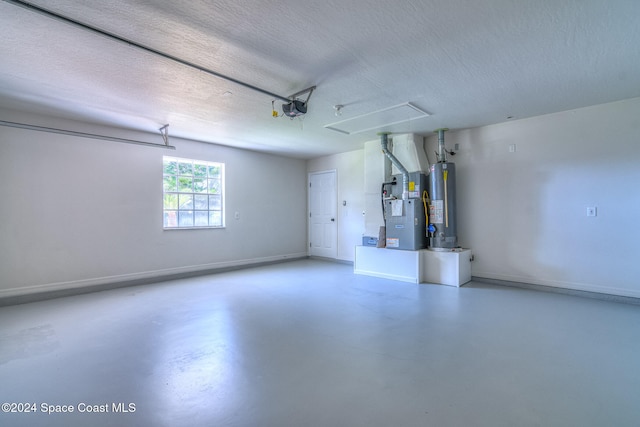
[446,268]
[423,266]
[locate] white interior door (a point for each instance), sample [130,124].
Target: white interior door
[323,221]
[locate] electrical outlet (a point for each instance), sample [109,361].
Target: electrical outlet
[592,211]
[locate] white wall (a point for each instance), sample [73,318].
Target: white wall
[79,212]
[377,169]
[350,189]
[524,213]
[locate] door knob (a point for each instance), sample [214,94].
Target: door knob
[333,219]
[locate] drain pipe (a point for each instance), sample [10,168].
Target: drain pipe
[442,152]
[405,173]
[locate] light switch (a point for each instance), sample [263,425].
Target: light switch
[592,211]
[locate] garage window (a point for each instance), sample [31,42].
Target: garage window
[193,193]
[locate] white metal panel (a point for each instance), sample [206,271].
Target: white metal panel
[380,119]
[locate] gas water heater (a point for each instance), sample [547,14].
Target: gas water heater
[442,227]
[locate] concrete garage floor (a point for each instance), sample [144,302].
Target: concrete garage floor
[307,343]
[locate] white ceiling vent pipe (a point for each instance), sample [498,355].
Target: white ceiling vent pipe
[384,142]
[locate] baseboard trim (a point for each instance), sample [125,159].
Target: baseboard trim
[577,286]
[58,290]
[558,290]
[335,260]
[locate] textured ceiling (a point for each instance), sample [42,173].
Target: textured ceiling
[466,62]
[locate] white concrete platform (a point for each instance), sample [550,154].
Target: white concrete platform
[452,268]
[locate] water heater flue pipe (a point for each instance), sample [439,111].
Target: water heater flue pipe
[384,142]
[442,152]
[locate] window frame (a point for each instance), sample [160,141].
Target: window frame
[173,193]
